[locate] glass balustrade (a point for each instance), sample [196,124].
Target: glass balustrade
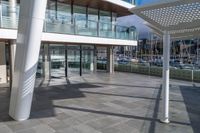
[64,24]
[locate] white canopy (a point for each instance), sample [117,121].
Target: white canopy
[181,18]
[172,19]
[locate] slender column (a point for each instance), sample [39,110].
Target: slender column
[72,11]
[98,24]
[166,69]
[12,10]
[56,9]
[91,60]
[12,58]
[32,13]
[66,61]
[95,59]
[3,72]
[110,60]
[198,53]
[86,16]
[81,62]
[12,54]
[47,62]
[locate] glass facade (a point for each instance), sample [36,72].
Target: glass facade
[63,18]
[92,14]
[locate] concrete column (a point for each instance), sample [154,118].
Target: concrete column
[47,62]
[166,70]
[12,59]
[3,71]
[12,10]
[110,60]
[95,59]
[31,20]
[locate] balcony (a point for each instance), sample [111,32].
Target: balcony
[69,25]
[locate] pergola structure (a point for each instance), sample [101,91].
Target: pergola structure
[171,19]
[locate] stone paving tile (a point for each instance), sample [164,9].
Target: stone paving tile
[17,126]
[90,117]
[44,129]
[71,122]
[5,129]
[100,124]
[121,128]
[80,129]
[30,130]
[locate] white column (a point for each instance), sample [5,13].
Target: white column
[3,71]
[12,59]
[91,61]
[12,54]
[165,85]
[110,60]
[32,13]
[12,10]
[47,64]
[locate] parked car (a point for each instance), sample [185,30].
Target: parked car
[187,66]
[123,61]
[102,61]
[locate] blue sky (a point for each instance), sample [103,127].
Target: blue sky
[143,2]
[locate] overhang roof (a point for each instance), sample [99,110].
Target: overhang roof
[120,7]
[181,18]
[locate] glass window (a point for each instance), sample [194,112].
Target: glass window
[105,24]
[58,11]
[105,16]
[64,12]
[79,13]
[92,14]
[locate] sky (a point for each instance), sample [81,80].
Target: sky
[143,2]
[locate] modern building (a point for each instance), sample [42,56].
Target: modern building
[73,31]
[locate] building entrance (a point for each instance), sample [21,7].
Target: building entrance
[71,60]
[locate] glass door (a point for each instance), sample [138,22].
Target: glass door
[57,53]
[73,58]
[87,60]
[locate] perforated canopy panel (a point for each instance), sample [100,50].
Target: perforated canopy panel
[179,17]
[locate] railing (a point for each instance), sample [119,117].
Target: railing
[64,24]
[180,74]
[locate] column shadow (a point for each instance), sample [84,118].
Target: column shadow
[191,96]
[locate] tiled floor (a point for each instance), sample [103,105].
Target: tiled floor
[103,103]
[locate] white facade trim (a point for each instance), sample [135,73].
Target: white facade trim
[65,38]
[121,3]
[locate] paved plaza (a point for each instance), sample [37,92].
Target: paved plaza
[103,103]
